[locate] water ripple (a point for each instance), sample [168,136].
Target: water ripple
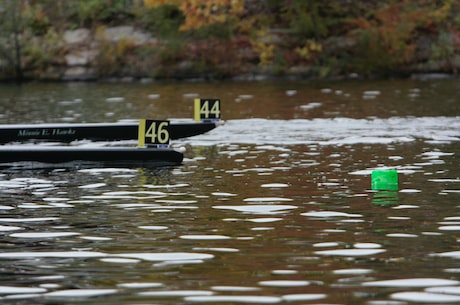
[337,131]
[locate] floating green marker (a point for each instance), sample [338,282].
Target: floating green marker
[385,180]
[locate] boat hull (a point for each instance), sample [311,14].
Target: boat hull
[94,131]
[107,155]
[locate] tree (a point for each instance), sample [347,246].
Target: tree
[11,28]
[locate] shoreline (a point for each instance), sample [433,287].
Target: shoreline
[432,76]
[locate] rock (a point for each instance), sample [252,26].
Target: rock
[76,36]
[338,43]
[79,73]
[300,70]
[118,33]
[80,58]
[146,80]
[430,76]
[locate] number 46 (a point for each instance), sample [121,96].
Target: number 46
[153,132]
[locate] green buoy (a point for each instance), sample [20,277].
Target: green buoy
[385,180]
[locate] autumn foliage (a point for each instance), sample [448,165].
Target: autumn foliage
[224,38]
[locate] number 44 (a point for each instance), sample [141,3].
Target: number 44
[207,109]
[213,112]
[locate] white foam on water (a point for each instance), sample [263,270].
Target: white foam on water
[171,207]
[49,277]
[177,201]
[257,209]
[136,205]
[222,194]
[217,249]
[234,288]
[247,299]
[155,186]
[446,290]
[153,96]
[452,254]
[37,219]
[274,185]
[303,297]
[451,191]
[351,220]
[367,246]
[171,256]
[264,220]
[95,238]
[431,233]
[204,237]
[356,271]
[44,234]
[178,262]
[50,286]
[435,154]
[412,282]
[449,228]
[350,252]
[176,293]
[92,186]
[11,184]
[20,290]
[336,131]
[6,207]
[425,297]
[79,293]
[402,235]
[284,272]
[130,193]
[445,180]
[48,205]
[284,283]
[452,270]
[21,296]
[140,285]
[405,206]
[266,199]
[115,99]
[117,196]
[69,254]
[326,244]
[262,229]
[120,260]
[409,191]
[9,228]
[97,171]
[310,106]
[154,228]
[328,214]
[452,218]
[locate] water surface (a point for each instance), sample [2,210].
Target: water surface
[273,207]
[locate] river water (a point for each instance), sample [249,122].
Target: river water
[273,207]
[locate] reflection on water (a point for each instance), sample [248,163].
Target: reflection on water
[273,207]
[385,198]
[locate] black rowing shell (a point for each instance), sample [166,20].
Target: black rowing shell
[62,154]
[94,131]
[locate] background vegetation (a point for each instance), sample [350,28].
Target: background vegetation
[229,38]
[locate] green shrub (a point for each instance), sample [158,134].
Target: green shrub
[163,20]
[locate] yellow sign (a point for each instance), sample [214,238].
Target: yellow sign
[207,110]
[153,133]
